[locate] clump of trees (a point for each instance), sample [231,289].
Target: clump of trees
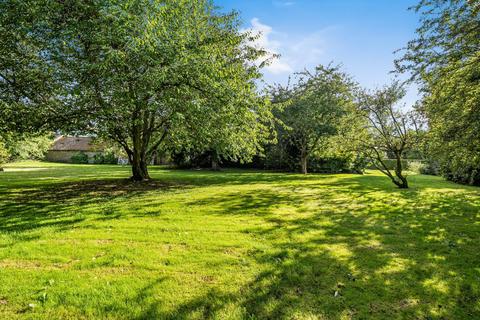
[444,61]
[326,115]
[180,77]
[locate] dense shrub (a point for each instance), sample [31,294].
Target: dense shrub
[31,147]
[464,173]
[280,157]
[110,158]
[184,159]
[416,166]
[105,158]
[330,165]
[27,146]
[80,158]
[430,167]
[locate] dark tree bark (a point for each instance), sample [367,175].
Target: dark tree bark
[402,182]
[215,161]
[304,163]
[139,166]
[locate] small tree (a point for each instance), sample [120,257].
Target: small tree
[312,109]
[388,130]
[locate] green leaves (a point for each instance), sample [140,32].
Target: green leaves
[310,111]
[444,60]
[138,72]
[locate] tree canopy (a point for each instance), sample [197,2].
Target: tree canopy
[312,108]
[444,60]
[140,71]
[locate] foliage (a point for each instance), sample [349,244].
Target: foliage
[448,36]
[105,158]
[80,158]
[389,130]
[242,244]
[234,135]
[416,166]
[444,60]
[311,110]
[452,109]
[137,72]
[143,73]
[29,146]
[29,74]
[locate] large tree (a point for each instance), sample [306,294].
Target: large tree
[444,59]
[312,108]
[138,71]
[148,69]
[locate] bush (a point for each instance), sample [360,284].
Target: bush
[430,167]
[27,146]
[110,158]
[466,174]
[105,158]
[32,147]
[416,166]
[328,165]
[79,158]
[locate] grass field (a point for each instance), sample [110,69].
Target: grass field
[80,242]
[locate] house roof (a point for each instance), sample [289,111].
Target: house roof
[66,143]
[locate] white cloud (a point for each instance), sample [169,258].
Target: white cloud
[265,41]
[296,53]
[283,3]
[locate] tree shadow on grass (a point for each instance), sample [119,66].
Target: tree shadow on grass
[57,205]
[352,248]
[387,254]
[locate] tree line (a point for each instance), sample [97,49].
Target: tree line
[181,77]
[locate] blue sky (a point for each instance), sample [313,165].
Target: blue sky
[362,35]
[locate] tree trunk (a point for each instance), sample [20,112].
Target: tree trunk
[139,163]
[303,162]
[139,168]
[215,161]
[402,182]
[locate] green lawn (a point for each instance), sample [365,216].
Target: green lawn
[80,242]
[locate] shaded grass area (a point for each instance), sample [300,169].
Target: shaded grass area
[82,242]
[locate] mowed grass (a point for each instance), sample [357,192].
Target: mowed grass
[81,242]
